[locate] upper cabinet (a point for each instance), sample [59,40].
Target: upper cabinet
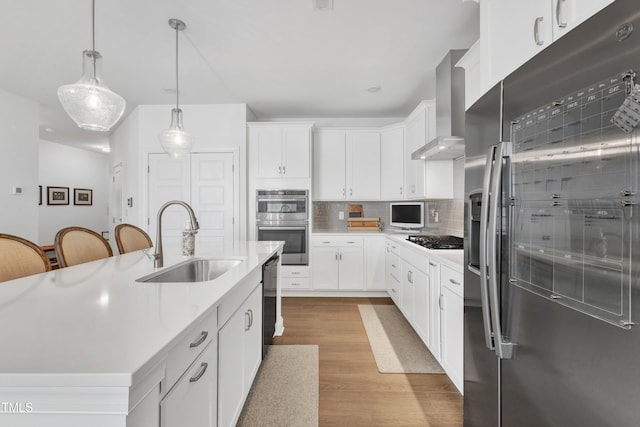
[392,158]
[513,31]
[346,164]
[280,150]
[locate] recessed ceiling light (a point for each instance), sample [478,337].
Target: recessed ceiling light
[50,130]
[322,5]
[106,149]
[374,89]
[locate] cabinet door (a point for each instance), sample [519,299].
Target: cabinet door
[351,270]
[295,152]
[568,14]
[325,267]
[452,335]
[439,179]
[268,143]
[363,165]
[414,170]
[329,166]
[392,164]
[252,309]
[374,261]
[231,369]
[407,295]
[514,30]
[422,304]
[192,401]
[434,327]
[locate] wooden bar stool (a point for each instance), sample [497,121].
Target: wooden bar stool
[130,238]
[77,245]
[20,257]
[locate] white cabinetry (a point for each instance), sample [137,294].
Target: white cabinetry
[280,150]
[192,401]
[346,165]
[374,263]
[239,357]
[191,377]
[513,31]
[295,277]
[416,136]
[434,324]
[452,324]
[337,262]
[392,157]
[393,272]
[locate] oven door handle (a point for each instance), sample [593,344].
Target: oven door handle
[266,227]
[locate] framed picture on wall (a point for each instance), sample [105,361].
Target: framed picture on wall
[57,195]
[82,197]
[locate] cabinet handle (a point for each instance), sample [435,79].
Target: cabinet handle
[401,191]
[432,264]
[455,282]
[351,243]
[344,192]
[200,340]
[203,369]
[440,305]
[246,314]
[561,24]
[393,265]
[279,170]
[284,170]
[295,273]
[393,247]
[295,284]
[340,256]
[536,31]
[250,318]
[326,242]
[394,291]
[410,276]
[336,256]
[351,191]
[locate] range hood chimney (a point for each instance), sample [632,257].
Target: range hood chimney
[449,144]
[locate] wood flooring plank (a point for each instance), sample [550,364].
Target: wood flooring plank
[352,391]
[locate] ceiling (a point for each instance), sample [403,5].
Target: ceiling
[281,57]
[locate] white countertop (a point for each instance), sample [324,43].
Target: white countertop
[452,257]
[94,325]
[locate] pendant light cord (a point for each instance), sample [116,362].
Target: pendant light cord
[93,37]
[177,89]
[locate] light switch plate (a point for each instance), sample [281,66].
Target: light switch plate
[341,215]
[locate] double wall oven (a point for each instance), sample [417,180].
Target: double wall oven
[284,215]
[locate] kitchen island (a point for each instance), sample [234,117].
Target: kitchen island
[88,345]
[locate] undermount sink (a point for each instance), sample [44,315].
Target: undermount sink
[195,270]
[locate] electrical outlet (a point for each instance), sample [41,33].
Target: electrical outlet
[341,215]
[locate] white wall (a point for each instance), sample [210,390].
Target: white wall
[214,127]
[65,166]
[19,118]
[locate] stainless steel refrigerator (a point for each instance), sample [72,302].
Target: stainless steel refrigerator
[552,230]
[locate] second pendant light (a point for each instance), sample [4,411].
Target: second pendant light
[176,141]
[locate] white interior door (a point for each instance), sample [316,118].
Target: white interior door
[212,186]
[168,180]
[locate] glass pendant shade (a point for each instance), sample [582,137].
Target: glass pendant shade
[89,102]
[176,141]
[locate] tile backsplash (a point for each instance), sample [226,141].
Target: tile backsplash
[450,216]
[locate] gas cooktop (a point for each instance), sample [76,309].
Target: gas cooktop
[437,242]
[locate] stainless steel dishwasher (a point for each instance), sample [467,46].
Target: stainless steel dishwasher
[269,301]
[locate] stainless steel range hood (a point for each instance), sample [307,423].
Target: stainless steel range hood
[449,144]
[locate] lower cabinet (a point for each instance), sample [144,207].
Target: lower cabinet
[436,310]
[452,325]
[239,357]
[393,272]
[337,263]
[374,263]
[192,401]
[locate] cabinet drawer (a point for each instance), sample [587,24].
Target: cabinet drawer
[339,240]
[452,280]
[188,348]
[296,283]
[295,271]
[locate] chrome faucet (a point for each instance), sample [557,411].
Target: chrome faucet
[158,260]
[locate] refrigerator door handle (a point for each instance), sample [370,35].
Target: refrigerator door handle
[503,349]
[484,224]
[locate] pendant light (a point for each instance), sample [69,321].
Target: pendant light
[89,102]
[176,141]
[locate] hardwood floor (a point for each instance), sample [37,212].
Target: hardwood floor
[352,391]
